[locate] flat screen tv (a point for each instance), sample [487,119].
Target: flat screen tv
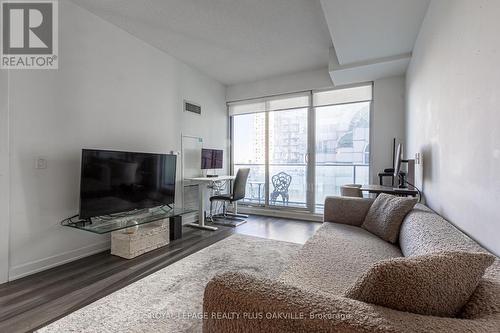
[211,159]
[117,181]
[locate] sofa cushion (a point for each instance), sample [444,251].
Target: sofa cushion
[484,301]
[437,284]
[423,231]
[386,214]
[335,256]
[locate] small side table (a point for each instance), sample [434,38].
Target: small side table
[259,184]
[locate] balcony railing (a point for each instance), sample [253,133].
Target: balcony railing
[329,178]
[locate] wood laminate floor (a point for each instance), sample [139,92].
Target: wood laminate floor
[34,301]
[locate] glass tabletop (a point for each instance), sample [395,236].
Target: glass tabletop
[103,225]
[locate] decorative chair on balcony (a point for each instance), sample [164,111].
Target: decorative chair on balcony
[281,183]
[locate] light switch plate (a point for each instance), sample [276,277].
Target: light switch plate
[418,158]
[41,162]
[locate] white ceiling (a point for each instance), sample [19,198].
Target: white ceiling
[367,30]
[372,38]
[232,41]
[236,41]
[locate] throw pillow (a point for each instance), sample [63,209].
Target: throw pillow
[437,284]
[386,214]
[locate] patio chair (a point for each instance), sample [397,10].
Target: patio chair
[281,183]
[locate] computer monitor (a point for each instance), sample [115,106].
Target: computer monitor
[211,159]
[397,165]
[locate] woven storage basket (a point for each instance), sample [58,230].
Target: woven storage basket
[147,238]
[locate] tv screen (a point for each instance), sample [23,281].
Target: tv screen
[117,181]
[211,159]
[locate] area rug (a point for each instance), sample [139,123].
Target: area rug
[170,300]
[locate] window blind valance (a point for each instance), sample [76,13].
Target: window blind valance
[361,93]
[267,104]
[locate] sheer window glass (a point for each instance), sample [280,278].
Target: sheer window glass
[249,151]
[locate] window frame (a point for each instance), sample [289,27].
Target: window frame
[311,142]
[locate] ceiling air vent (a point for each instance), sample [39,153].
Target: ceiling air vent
[191,107]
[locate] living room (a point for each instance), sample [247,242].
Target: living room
[249,166]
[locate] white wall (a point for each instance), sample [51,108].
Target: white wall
[317,79]
[111,91]
[453,117]
[4,177]
[388,121]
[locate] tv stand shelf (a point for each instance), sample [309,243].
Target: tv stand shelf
[107,225]
[138,240]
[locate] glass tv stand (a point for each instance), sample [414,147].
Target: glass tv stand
[138,232]
[107,224]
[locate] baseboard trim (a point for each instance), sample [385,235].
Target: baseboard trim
[17,272]
[295,215]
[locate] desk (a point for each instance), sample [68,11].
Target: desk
[388,189]
[203,184]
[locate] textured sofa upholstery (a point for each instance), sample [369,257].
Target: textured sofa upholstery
[309,295]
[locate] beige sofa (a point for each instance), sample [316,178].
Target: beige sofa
[308,296]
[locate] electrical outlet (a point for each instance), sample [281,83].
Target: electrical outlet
[41,162]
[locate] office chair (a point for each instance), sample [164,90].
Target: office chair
[239,187]
[351,190]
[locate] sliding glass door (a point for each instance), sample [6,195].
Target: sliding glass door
[288,158]
[342,148]
[303,147]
